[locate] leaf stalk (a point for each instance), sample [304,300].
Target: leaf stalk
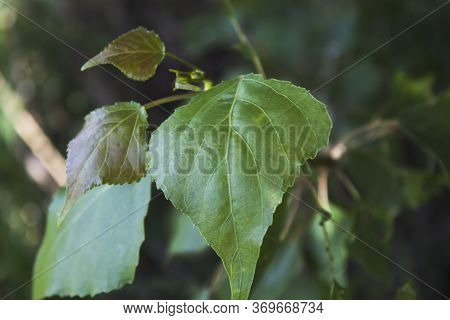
[158,102]
[181,60]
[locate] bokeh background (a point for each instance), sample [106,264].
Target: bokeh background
[306,42]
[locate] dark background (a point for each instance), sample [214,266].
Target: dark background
[306,42]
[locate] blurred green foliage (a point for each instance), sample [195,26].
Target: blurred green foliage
[390,193]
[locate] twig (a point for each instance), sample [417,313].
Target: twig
[243,38]
[349,185]
[364,134]
[322,193]
[32,134]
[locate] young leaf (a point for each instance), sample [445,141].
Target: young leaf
[136,53]
[111,148]
[97,248]
[226,158]
[192,81]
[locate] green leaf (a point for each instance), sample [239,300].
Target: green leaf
[96,249]
[429,127]
[110,149]
[226,158]
[185,236]
[136,53]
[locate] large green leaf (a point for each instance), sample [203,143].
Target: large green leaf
[136,53]
[96,249]
[227,157]
[111,148]
[429,126]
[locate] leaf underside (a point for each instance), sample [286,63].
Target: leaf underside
[226,158]
[110,149]
[97,248]
[136,53]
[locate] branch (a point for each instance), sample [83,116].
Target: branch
[360,136]
[32,134]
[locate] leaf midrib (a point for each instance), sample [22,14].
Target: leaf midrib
[154,52]
[85,165]
[128,146]
[230,197]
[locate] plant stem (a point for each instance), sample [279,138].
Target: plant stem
[349,185]
[322,197]
[373,125]
[181,60]
[243,38]
[164,100]
[29,130]
[329,252]
[380,132]
[322,188]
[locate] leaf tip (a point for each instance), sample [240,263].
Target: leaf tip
[87,65]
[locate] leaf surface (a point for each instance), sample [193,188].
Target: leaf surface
[226,158]
[96,249]
[136,53]
[110,149]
